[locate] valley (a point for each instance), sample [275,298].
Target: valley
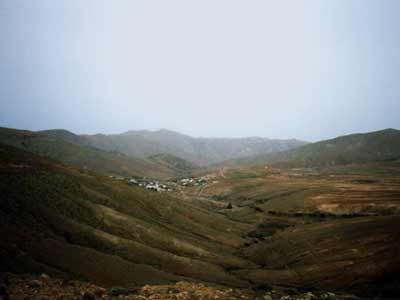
[272,229]
[200,150]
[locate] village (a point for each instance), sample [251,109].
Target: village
[167,186]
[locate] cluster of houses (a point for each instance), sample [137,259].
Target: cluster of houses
[169,186]
[194,181]
[152,185]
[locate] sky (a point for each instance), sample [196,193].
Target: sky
[307,69]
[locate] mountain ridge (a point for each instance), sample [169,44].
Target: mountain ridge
[199,150]
[372,146]
[67,147]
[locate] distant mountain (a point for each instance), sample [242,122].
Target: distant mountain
[161,153]
[381,145]
[168,153]
[67,147]
[66,136]
[200,151]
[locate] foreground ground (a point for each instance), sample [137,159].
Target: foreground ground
[46,288]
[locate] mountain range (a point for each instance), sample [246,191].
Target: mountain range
[200,151]
[166,154]
[157,154]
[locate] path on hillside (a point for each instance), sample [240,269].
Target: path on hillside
[201,190]
[222,172]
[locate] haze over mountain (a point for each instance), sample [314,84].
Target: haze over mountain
[202,151]
[282,69]
[166,153]
[70,148]
[160,154]
[383,145]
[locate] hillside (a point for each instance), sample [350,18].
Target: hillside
[178,165]
[332,228]
[65,135]
[376,146]
[70,224]
[201,151]
[291,229]
[68,147]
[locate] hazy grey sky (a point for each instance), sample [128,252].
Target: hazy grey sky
[304,69]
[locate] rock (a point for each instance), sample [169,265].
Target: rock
[309,296]
[306,296]
[44,277]
[328,295]
[87,295]
[35,284]
[267,297]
